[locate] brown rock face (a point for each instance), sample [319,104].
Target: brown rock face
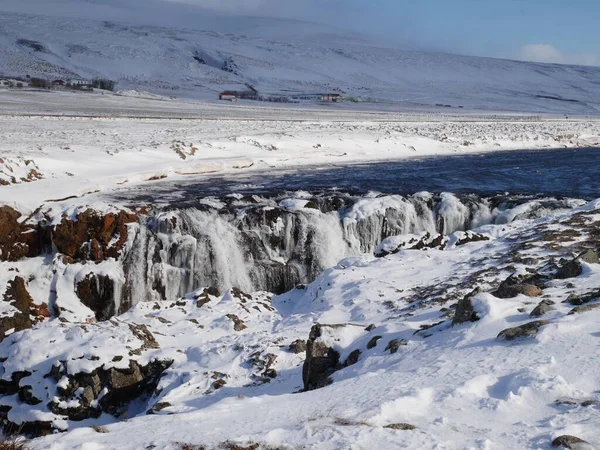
[88,237]
[17,240]
[17,295]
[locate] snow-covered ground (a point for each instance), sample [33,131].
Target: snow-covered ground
[460,386]
[59,157]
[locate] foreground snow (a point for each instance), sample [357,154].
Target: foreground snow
[459,386]
[60,157]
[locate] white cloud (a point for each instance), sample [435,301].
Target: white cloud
[546,53]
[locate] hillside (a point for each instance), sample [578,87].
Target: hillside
[281,57]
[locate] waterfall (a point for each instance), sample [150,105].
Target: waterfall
[274,244]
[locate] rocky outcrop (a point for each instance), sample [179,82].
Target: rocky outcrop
[321,360]
[521,332]
[87,395]
[583,308]
[18,240]
[464,309]
[97,292]
[92,236]
[511,287]
[27,312]
[544,307]
[298,346]
[566,441]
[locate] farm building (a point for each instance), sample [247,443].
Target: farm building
[58,83]
[4,83]
[228,95]
[331,97]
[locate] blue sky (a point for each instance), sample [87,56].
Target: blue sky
[545,30]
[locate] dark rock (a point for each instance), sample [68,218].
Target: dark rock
[544,307]
[582,299]
[370,327]
[97,293]
[142,332]
[373,342]
[524,331]
[352,358]
[401,426]
[470,236]
[577,402]
[427,241]
[238,324]
[298,346]
[511,287]
[583,309]
[395,344]
[321,361]
[571,269]
[464,309]
[270,373]
[567,441]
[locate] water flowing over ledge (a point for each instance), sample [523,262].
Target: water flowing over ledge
[273,244]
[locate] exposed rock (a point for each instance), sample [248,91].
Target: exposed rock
[204,298]
[321,361]
[577,402]
[17,295]
[524,331]
[511,287]
[107,390]
[395,344]
[544,307]
[582,299]
[470,236]
[567,441]
[373,342]
[570,269]
[92,236]
[426,241]
[143,334]
[238,324]
[464,309]
[352,358]
[159,407]
[97,292]
[400,426]
[18,240]
[370,327]
[583,309]
[298,346]
[590,257]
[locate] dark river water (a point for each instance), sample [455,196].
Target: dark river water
[565,172]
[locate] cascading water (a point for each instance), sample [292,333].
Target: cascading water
[275,244]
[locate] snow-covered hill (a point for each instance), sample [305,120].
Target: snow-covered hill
[276,56]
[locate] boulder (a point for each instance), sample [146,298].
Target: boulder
[464,309]
[511,287]
[395,344]
[321,360]
[583,309]
[567,441]
[373,342]
[544,307]
[521,332]
[589,256]
[570,269]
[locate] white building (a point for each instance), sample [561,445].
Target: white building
[4,83]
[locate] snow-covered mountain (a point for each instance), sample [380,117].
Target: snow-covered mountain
[188,52]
